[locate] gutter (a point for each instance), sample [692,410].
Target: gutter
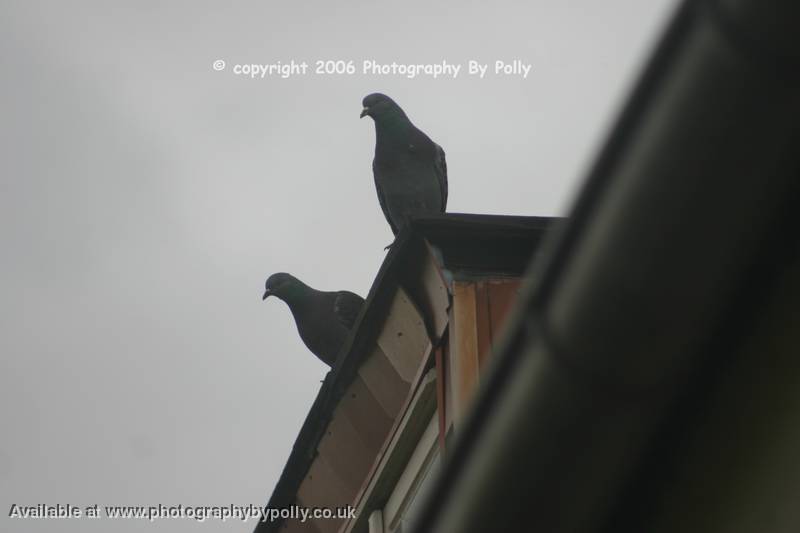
[620,319]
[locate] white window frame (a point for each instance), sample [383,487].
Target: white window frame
[408,483]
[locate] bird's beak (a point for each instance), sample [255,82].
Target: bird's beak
[267,294]
[364,112]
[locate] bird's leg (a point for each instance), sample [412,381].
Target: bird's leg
[388,246]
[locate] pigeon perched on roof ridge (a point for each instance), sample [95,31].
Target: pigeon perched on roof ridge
[323,318]
[410,170]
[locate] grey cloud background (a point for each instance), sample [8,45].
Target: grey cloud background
[144,198]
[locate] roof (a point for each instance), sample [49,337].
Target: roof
[466,245]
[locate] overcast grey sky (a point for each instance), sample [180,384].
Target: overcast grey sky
[145,197]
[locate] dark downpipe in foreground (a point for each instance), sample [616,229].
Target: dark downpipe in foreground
[628,307]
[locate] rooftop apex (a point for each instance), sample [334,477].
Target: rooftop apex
[368,388]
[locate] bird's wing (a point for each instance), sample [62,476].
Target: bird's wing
[440,166]
[346,307]
[382,198]
[423,147]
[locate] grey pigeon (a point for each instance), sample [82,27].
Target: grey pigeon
[323,319]
[409,168]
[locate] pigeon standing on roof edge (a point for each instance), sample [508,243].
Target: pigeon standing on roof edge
[323,319]
[409,168]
